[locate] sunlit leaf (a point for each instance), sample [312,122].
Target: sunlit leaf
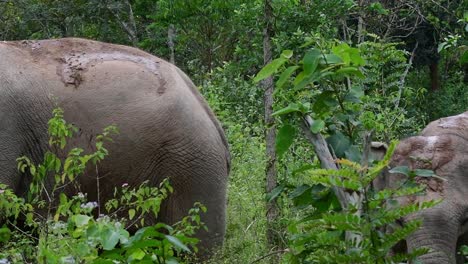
[285,76]
[269,69]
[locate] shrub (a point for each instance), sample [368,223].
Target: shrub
[64,229]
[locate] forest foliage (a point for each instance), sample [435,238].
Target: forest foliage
[349,67]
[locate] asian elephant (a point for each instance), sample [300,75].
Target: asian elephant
[166,127]
[442,147]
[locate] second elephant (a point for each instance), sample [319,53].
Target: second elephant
[442,147]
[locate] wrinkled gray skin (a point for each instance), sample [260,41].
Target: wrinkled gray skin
[166,127]
[443,148]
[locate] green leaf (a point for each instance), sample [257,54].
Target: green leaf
[285,76]
[317,126]
[328,59]
[401,169]
[464,57]
[441,46]
[311,60]
[339,143]
[287,54]
[424,173]
[5,234]
[427,173]
[172,260]
[313,77]
[176,242]
[131,213]
[138,254]
[80,220]
[289,109]
[109,239]
[284,139]
[325,101]
[350,71]
[275,192]
[353,153]
[269,69]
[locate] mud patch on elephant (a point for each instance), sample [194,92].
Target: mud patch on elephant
[72,66]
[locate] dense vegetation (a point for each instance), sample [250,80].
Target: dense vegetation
[352,69]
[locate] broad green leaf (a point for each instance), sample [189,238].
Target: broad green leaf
[285,76]
[356,58]
[353,153]
[339,143]
[328,59]
[350,71]
[302,196]
[311,60]
[317,126]
[401,169]
[269,69]
[109,239]
[342,51]
[80,220]
[138,254]
[289,109]
[313,77]
[284,139]
[176,242]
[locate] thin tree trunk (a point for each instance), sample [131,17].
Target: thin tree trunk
[130,27]
[326,159]
[272,207]
[434,72]
[170,42]
[361,27]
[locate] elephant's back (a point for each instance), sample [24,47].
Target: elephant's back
[451,126]
[99,84]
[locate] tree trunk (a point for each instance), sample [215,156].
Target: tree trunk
[130,27]
[270,134]
[434,72]
[170,42]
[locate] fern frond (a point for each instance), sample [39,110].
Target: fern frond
[389,240]
[356,166]
[398,258]
[387,217]
[344,172]
[343,221]
[390,193]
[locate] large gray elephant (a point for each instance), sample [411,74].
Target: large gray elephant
[166,127]
[443,148]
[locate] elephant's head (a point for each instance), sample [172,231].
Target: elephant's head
[445,152]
